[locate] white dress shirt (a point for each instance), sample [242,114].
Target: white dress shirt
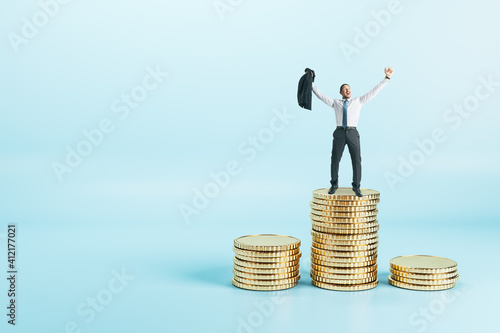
[354,106]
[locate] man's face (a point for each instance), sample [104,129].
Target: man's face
[345,91]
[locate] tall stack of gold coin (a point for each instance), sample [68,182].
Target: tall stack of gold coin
[420,272]
[344,239]
[266,262]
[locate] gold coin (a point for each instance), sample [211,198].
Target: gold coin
[342,254]
[344,271]
[341,208]
[273,265]
[421,276]
[336,237]
[263,288]
[358,276]
[345,203]
[328,219]
[346,226]
[419,287]
[423,264]
[338,242]
[267,282]
[266,254]
[339,287]
[343,264]
[346,194]
[343,281]
[345,231]
[345,248]
[451,280]
[344,214]
[267,242]
[265,276]
[263,260]
[266,270]
[342,259]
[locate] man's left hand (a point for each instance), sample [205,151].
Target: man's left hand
[388,71]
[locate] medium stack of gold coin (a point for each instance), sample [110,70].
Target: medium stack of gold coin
[266,262]
[420,272]
[344,239]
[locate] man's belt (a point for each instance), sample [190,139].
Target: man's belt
[347,128]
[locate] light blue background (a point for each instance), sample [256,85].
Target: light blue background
[228,75]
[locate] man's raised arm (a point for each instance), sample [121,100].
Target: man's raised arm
[372,93]
[328,101]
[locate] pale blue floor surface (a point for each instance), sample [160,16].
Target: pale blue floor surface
[180,281]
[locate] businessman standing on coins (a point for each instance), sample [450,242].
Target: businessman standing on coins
[347,112]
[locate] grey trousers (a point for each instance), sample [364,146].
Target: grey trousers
[341,137]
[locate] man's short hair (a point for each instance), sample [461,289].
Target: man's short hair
[342,86]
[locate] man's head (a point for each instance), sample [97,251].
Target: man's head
[345,91]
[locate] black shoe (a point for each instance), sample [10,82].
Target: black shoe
[357,191]
[333,189]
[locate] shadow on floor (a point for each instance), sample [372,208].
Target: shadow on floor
[383,277]
[216,275]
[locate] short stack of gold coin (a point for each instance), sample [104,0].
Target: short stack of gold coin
[344,239]
[419,272]
[266,262]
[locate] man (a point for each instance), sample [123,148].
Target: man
[347,112]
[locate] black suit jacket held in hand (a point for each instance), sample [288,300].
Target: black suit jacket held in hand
[304,92]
